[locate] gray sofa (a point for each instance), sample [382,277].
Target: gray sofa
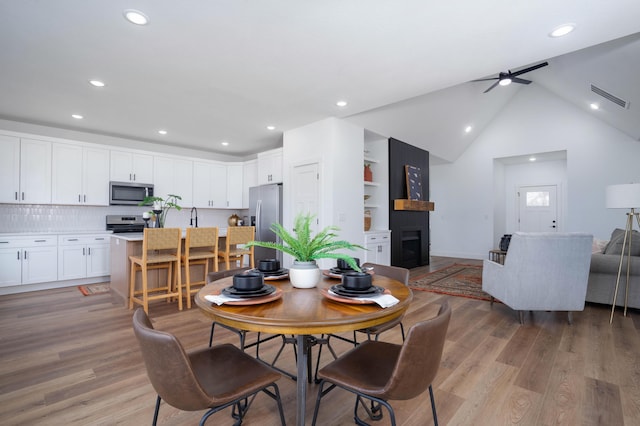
[604,271]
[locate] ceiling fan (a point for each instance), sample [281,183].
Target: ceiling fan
[506,78]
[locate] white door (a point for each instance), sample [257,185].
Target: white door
[538,208]
[306,191]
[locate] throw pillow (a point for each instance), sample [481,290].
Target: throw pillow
[598,246]
[617,239]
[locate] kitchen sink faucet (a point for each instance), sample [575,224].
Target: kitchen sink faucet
[191,221]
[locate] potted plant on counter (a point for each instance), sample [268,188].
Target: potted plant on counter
[161,207]
[306,249]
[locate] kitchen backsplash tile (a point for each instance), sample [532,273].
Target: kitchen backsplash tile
[54,218]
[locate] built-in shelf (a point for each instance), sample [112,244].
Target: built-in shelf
[367,183]
[415,205]
[370,160]
[371,206]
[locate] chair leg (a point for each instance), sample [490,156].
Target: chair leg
[375,402]
[187,281]
[155,413]
[433,406]
[570,317]
[521,316]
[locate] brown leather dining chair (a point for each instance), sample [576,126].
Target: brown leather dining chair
[393,272]
[381,371]
[212,378]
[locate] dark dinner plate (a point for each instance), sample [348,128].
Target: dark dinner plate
[371,291]
[239,294]
[341,271]
[279,272]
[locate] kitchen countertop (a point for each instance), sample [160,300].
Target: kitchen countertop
[28,234]
[137,236]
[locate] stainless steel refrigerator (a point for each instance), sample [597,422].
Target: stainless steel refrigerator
[265,208]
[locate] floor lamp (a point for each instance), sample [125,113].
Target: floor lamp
[626,196]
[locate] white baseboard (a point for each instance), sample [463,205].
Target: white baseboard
[24,288]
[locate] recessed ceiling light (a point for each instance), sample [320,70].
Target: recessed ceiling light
[271,127]
[225,143]
[162,132]
[97,83]
[136,17]
[77,116]
[341,103]
[562,30]
[594,106]
[468,129]
[532,159]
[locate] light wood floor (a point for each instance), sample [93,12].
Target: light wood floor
[67,359]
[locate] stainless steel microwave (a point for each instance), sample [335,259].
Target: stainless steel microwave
[128,193]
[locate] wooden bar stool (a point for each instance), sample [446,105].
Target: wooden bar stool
[238,235]
[200,246]
[160,250]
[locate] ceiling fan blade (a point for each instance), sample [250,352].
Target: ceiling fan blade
[492,86]
[520,80]
[535,67]
[487,79]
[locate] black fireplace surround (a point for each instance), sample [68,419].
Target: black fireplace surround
[409,229]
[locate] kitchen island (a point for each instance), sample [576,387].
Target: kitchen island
[130,244]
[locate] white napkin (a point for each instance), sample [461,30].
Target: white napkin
[219,299]
[383,300]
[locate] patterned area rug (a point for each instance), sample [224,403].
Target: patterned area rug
[91,289]
[455,280]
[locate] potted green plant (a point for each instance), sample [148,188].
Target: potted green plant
[306,249]
[160,206]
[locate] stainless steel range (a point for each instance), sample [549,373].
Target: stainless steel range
[125,223]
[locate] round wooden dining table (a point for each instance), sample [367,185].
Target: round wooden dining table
[304,312]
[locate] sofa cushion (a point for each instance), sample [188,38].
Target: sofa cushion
[617,239]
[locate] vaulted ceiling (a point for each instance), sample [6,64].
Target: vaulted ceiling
[214,71]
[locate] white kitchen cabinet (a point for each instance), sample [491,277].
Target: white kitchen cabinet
[249,179]
[9,169]
[83,256]
[131,167]
[80,175]
[270,166]
[234,185]
[173,176]
[378,245]
[25,168]
[28,260]
[209,185]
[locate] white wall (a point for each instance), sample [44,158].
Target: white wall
[535,121]
[338,147]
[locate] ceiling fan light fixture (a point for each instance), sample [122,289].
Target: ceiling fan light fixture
[505,81]
[562,30]
[136,17]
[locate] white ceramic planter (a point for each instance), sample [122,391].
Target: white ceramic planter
[304,274]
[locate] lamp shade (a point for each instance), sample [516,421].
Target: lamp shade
[626,196]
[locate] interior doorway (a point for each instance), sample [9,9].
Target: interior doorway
[533,173]
[538,208]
